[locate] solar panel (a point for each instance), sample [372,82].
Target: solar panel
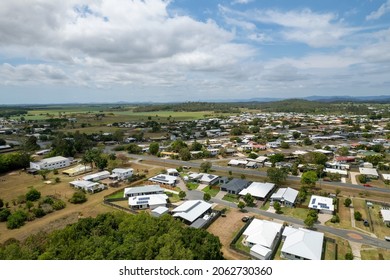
[144,198]
[313,201]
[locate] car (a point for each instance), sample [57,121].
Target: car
[387,238]
[367,185]
[245,219]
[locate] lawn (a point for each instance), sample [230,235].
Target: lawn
[359,205]
[342,248]
[265,206]
[173,198]
[344,214]
[373,253]
[117,195]
[299,213]
[192,185]
[241,246]
[211,191]
[231,197]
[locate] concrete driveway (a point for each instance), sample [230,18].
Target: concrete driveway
[353,177]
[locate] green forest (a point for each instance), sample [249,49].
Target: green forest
[117,236]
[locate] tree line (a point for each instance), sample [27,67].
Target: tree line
[118,236]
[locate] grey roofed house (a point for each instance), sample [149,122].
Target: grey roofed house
[191,210]
[143,190]
[286,196]
[235,186]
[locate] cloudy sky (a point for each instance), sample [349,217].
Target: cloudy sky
[189,50]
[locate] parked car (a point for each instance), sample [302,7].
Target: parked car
[387,238]
[245,219]
[367,185]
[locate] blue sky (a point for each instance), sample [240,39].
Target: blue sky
[187,50]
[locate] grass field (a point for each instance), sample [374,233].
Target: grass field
[373,253]
[380,229]
[344,214]
[231,197]
[192,185]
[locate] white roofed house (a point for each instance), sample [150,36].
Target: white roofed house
[164,179]
[172,172]
[191,210]
[302,244]
[150,196]
[261,191]
[97,176]
[87,186]
[50,163]
[321,203]
[385,216]
[369,172]
[286,196]
[262,237]
[121,173]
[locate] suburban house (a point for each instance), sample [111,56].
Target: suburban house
[97,176]
[321,203]
[121,173]
[87,186]
[50,163]
[369,172]
[302,244]
[238,163]
[77,170]
[343,173]
[143,190]
[235,186]
[203,178]
[151,201]
[191,210]
[164,179]
[172,172]
[260,191]
[386,216]
[262,237]
[286,196]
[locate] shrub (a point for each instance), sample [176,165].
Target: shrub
[78,198]
[335,219]
[48,200]
[4,213]
[347,202]
[57,180]
[33,195]
[348,256]
[47,208]
[38,212]
[1,203]
[58,205]
[17,219]
[55,172]
[358,216]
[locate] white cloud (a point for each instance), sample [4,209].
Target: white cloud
[242,1]
[382,10]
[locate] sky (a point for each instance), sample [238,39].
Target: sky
[78,51]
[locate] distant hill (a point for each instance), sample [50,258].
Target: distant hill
[347,98]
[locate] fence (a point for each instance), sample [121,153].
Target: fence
[109,203]
[238,235]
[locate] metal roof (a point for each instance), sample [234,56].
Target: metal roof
[143,189]
[257,189]
[303,243]
[262,232]
[191,209]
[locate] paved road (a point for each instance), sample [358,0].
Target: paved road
[253,172]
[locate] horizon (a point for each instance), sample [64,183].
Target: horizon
[165,51]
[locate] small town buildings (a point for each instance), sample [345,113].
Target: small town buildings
[302,244]
[258,190]
[321,203]
[191,210]
[50,163]
[235,186]
[143,190]
[369,172]
[164,179]
[262,237]
[77,170]
[343,173]
[285,196]
[237,163]
[121,173]
[97,176]
[87,186]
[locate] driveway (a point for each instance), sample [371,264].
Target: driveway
[220,195]
[353,177]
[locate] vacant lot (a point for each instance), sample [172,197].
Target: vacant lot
[344,215]
[374,253]
[380,229]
